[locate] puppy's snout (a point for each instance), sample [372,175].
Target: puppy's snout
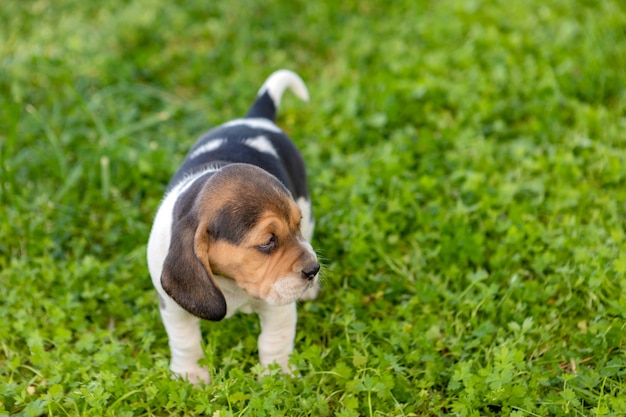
[311,271]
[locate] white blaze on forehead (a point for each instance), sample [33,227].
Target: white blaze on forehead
[212,145]
[262,144]
[255,123]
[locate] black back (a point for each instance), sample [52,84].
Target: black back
[288,167]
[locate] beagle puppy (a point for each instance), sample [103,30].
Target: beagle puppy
[232,234]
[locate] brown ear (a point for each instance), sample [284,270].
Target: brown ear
[187,276]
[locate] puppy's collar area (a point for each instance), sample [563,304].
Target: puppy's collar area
[192,176]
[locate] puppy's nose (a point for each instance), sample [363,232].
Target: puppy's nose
[310,271]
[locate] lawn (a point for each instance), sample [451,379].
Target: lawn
[467,162]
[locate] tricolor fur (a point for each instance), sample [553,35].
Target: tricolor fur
[232,234]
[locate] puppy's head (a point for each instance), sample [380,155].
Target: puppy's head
[243,225]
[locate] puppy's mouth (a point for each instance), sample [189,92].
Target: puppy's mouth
[311,283]
[289,289]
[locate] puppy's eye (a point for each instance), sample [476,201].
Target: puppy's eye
[269,246]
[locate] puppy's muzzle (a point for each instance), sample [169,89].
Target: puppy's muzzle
[311,271]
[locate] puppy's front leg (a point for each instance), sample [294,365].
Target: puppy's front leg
[278,331]
[184,334]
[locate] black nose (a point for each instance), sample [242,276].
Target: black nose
[310,271]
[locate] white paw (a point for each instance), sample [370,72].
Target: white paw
[196,375]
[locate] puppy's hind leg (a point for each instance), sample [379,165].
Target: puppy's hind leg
[185,339]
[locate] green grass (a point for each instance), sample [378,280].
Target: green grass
[467,161]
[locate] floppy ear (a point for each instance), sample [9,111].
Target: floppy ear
[187,275]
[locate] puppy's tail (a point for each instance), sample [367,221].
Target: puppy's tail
[270,93]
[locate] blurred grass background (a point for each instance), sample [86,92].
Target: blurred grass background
[467,161]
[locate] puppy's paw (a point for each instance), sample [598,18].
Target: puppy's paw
[311,293]
[195,375]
